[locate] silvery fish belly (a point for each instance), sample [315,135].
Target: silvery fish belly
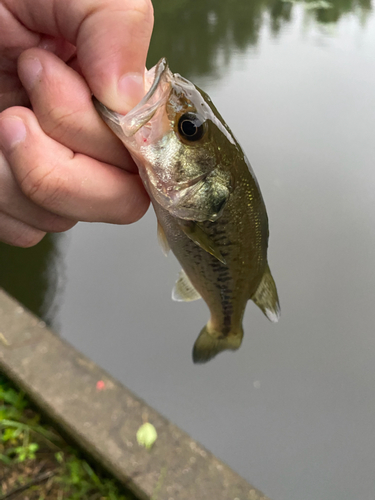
[207,201]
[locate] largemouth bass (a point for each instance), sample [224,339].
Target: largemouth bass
[208,204]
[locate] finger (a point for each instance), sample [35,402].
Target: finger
[112,39]
[17,206]
[19,234]
[14,39]
[63,106]
[63,49]
[74,186]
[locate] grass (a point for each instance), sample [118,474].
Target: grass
[37,464]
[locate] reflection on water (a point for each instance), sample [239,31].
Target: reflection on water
[333,10]
[192,34]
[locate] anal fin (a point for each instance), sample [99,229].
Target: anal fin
[266,297]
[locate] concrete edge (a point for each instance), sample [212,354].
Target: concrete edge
[103,418]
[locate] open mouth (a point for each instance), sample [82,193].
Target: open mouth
[159,70]
[157,95]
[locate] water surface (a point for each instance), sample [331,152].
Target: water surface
[293,410]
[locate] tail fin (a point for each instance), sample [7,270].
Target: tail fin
[209,344]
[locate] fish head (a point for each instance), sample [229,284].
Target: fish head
[180,144]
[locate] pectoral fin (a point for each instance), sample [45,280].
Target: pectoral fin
[184,290]
[197,234]
[163,240]
[266,297]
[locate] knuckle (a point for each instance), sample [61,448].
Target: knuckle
[42,187]
[60,225]
[58,122]
[135,209]
[139,213]
[27,238]
[144,7]
[141,15]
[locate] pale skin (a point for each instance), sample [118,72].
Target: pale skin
[59,163]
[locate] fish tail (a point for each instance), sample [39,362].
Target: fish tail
[210,343]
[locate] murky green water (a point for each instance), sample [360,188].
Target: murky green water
[294,410]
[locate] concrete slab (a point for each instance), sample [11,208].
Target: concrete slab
[103,417]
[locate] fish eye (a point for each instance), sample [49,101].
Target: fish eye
[191,127]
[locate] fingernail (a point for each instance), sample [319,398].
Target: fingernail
[12,131]
[29,72]
[131,90]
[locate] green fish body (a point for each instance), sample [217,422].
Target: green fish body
[208,203]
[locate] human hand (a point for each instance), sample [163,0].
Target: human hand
[59,163]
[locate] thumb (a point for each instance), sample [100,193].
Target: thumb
[112,45]
[111,36]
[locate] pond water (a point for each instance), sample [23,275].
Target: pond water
[293,410]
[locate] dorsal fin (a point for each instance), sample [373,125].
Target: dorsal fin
[163,239]
[266,297]
[184,290]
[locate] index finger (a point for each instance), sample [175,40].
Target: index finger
[111,36]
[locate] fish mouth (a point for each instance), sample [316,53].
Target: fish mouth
[159,70]
[157,96]
[158,79]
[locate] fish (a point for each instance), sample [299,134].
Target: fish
[209,207]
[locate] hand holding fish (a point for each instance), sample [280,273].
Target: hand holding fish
[59,163]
